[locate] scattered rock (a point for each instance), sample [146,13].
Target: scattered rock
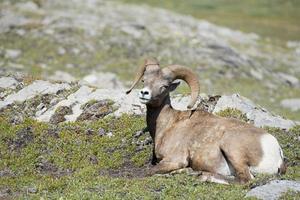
[38,87]
[138,134]
[5,193]
[89,131]
[102,80]
[122,103]
[8,82]
[257,74]
[90,104]
[61,51]
[109,134]
[101,132]
[260,116]
[292,104]
[274,189]
[32,190]
[6,173]
[62,76]
[12,53]
[289,79]
[95,110]
[93,159]
[16,119]
[59,115]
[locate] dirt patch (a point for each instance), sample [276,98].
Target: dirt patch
[128,170]
[46,167]
[22,139]
[95,110]
[59,115]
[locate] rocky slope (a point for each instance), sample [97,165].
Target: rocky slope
[45,101]
[29,110]
[69,131]
[72,39]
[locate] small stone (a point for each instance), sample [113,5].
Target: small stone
[292,104]
[62,76]
[138,134]
[75,51]
[109,134]
[61,51]
[12,53]
[101,132]
[70,66]
[16,119]
[257,74]
[32,190]
[289,79]
[94,159]
[274,189]
[148,141]
[89,132]
[102,80]
[21,32]
[8,82]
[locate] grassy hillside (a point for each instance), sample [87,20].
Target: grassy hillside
[74,161]
[271,18]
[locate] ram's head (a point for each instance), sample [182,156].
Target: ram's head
[158,83]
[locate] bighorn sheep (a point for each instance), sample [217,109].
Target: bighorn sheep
[198,139]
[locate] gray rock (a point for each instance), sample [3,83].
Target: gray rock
[102,80]
[38,87]
[260,116]
[61,51]
[289,79]
[62,76]
[257,74]
[123,103]
[292,104]
[28,6]
[10,19]
[32,190]
[8,82]
[101,132]
[12,53]
[15,66]
[274,189]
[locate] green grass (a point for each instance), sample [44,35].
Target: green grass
[67,161]
[270,18]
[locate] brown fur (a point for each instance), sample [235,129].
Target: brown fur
[196,139]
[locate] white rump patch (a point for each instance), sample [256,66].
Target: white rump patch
[272,156]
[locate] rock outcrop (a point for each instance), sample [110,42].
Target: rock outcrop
[81,102]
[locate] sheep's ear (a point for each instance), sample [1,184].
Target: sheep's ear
[174,85]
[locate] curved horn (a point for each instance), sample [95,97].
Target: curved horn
[141,71]
[180,72]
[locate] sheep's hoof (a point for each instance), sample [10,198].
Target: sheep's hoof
[189,171]
[212,179]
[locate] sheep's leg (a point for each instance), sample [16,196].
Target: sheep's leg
[154,159]
[166,166]
[214,178]
[241,168]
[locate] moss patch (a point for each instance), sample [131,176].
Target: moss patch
[233,113]
[79,161]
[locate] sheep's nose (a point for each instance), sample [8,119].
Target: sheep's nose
[145,92]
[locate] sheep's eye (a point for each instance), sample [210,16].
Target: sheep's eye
[143,81]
